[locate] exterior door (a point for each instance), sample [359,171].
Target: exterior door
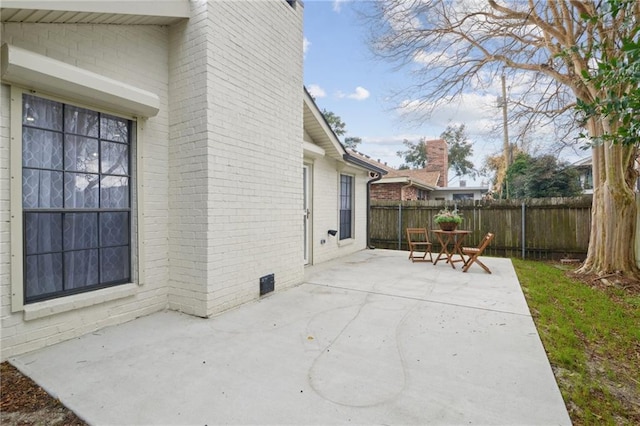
[306,212]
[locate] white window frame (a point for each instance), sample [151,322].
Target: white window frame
[353,206]
[66,303]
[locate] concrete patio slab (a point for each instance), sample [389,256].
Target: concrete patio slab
[368,339]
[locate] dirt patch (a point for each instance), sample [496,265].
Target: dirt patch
[630,285]
[24,403]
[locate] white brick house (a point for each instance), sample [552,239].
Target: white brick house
[331,173]
[155,155]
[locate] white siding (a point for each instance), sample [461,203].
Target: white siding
[325,209]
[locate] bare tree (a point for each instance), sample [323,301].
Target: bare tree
[545,48]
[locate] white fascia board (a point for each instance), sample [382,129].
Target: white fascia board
[317,114]
[38,72]
[462,188]
[170,8]
[394,180]
[405,180]
[312,150]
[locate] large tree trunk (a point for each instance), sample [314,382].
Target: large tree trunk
[613,218]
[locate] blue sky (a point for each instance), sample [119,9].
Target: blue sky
[342,75]
[344,78]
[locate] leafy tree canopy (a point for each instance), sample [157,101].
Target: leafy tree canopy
[540,177]
[415,156]
[460,150]
[352,141]
[617,75]
[340,129]
[335,122]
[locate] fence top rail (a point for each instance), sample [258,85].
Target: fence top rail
[583,201]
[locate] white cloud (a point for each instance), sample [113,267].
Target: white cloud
[359,94]
[305,45]
[433,58]
[478,112]
[316,91]
[337,5]
[385,148]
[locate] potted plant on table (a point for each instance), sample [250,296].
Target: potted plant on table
[448,220]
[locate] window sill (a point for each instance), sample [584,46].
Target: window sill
[346,242]
[64,304]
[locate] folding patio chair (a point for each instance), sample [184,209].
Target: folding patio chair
[418,241]
[475,252]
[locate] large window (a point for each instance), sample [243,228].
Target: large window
[346,207]
[76,183]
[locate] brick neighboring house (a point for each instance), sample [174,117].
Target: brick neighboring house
[405,185]
[159,155]
[429,183]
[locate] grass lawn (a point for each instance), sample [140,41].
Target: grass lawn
[590,329]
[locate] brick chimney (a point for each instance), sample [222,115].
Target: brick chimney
[438,159]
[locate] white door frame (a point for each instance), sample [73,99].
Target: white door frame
[307,210]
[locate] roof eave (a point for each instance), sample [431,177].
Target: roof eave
[365,165]
[407,181]
[96,11]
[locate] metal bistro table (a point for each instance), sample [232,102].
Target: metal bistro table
[451,239]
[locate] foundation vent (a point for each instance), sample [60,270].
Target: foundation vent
[267,284]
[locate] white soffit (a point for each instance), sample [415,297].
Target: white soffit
[38,72]
[158,12]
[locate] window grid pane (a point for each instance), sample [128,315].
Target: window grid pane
[76,199]
[346,206]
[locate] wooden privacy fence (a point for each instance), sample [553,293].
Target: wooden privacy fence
[542,228]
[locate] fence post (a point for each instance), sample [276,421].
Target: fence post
[523,230]
[399,226]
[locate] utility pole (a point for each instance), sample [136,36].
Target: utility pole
[507,148]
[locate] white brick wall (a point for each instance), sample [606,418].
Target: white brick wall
[9,324]
[187,163]
[222,161]
[136,55]
[255,118]
[236,156]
